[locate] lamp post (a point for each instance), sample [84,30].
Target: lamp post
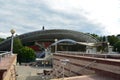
[56,45]
[12,32]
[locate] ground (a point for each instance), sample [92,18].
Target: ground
[29,73]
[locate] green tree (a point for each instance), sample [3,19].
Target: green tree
[117,46]
[112,40]
[17,45]
[96,36]
[2,39]
[26,54]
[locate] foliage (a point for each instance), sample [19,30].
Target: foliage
[117,46]
[99,38]
[112,40]
[17,45]
[2,39]
[95,35]
[26,54]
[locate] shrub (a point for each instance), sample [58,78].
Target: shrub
[26,54]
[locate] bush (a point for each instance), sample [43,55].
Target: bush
[26,54]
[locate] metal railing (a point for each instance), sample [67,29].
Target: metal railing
[88,65]
[4,55]
[96,55]
[57,72]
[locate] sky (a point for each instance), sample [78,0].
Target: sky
[101,17]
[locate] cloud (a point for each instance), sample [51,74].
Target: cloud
[4,35]
[30,15]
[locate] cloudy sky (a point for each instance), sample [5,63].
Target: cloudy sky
[101,17]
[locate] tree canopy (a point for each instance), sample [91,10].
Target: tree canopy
[17,45]
[2,39]
[112,40]
[26,54]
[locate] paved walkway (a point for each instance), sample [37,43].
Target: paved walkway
[29,73]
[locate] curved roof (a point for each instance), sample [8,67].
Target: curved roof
[50,36]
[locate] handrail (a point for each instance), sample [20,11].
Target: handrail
[2,55]
[55,72]
[97,55]
[87,65]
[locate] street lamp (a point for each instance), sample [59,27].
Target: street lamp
[12,32]
[56,45]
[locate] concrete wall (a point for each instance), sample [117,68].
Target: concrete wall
[83,65]
[9,72]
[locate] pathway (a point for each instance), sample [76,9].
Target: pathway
[29,73]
